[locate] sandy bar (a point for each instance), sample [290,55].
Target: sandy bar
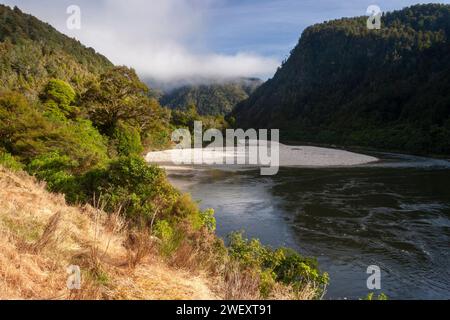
[289,156]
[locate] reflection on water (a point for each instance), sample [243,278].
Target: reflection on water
[394,214]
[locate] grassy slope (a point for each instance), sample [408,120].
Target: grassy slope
[33,266]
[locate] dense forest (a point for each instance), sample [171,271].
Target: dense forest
[33,52]
[211,99]
[345,84]
[71,119]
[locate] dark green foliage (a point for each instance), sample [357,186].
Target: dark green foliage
[119,95]
[59,92]
[380,297]
[10,162]
[55,170]
[186,119]
[131,184]
[58,98]
[213,99]
[282,265]
[118,103]
[127,140]
[32,52]
[16,27]
[26,133]
[345,84]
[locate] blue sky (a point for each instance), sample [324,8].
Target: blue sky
[177,39]
[273,27]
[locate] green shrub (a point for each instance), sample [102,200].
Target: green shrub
[127,140]
[170,238]
[266,283]
[208,219]
[199,219]
[81,142]
[58,97]
[250,253]
[293,268]
[21,125]
[184,207]
[55,170]
[281,265]
[60,92]
[10,162]
[130,183]
[371,297]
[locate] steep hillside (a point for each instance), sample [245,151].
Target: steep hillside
[213,99]
[32,52]
[346,84]
[40,236]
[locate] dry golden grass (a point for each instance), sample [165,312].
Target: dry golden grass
[240,285]
[40,236]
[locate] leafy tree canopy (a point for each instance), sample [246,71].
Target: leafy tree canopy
[119,95]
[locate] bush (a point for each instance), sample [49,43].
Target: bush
[22,127]
[55,170]
[292,268]
[170,239]
[130,183]
[281,265]
[371,297]
[127,140]
[80,141]
[208,219]
[10,162]
[184,207]
[58,97]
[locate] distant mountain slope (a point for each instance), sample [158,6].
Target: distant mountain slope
[211,99]
[32,52]
[345,84]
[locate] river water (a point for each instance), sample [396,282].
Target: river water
[394,214]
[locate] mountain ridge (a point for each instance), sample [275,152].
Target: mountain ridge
[216,97]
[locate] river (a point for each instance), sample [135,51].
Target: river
[394,214]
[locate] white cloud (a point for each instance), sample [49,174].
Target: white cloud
[161,39]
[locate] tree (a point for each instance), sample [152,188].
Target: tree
[186,118]
[119,96]
[22,127]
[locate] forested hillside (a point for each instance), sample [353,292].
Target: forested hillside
[33,52]
[211,99]
[348,85]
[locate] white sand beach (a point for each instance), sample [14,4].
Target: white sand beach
[295,156]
